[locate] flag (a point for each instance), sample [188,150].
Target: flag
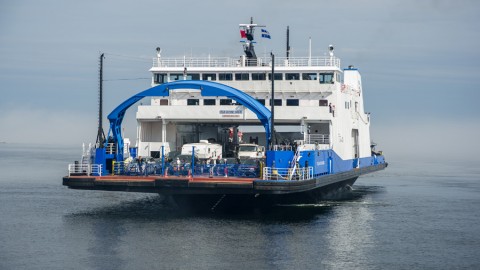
[265,34]
[243,34]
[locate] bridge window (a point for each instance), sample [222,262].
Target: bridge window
[225,76]
[242,76]
[309,76]
[277,102]
[192,102]
[276,76]
[258,76]
[209,76]
[160,78]
[209,102]
[226,101]
[262,101]
[326,78]
[292,76]
[193,76]
[323,102]
[292,102]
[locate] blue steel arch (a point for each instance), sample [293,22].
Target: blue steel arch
[207,88]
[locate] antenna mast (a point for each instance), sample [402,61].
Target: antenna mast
[100,135]
[288,42]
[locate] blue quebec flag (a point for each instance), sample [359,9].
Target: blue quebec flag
[265,34]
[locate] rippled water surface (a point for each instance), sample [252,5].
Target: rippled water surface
[411,216]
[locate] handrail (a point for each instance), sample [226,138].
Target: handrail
[88,169]
[318,138]
[270,173]
[322,61]
[110,149]
[282,147]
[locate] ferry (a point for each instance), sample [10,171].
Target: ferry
[301,118]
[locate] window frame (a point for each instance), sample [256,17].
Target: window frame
[277,76]
[225,76]
[206,75]
[207,102]
[226,102]
[196,102]
[259,76]
[240,76]
[292,102]
[293,76]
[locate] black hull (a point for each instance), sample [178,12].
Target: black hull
[217,202]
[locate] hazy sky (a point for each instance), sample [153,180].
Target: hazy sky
[419,60]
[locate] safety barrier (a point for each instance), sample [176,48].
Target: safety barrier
[171,169]
[235,62]
[86,169]
[318,138]
[270,173]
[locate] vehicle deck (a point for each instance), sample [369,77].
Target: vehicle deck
[209,185]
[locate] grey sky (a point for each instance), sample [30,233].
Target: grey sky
[419,60]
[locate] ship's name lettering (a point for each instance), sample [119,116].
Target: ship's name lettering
[230,111]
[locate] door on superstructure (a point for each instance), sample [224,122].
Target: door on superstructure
[355,147]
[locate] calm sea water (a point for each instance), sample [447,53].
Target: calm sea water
[414,215]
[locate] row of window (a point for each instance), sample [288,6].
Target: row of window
[323,78]
[228,101]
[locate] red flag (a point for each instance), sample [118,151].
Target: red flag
[242,34]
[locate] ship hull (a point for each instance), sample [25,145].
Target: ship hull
[216,202]
[211,193]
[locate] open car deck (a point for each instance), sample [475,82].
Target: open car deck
[210,185]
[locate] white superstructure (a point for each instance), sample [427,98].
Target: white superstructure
[315,101]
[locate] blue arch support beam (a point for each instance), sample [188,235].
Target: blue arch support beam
[207,88]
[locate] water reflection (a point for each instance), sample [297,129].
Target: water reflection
[157,234]
[349,234]
[107,240]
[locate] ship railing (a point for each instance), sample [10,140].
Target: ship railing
[282,147]
[299,174]
[135,168]
[325,61]
[84,169]
[185,62]
[197,62]
[111,148]
[318,138]
[119,167]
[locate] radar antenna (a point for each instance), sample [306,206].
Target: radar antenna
[247,31]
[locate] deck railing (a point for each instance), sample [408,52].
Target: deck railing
[111,148]
[87,169]
[323,61]
[318,138]
[270,173]
[204,170]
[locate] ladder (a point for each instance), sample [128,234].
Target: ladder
[293,164]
